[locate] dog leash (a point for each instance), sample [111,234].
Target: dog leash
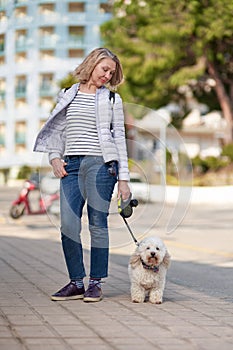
[125,209]
[130,231]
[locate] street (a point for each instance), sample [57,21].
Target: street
[197,311]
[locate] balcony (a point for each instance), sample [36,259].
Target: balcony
[45,18]
[48,42]
[84,1]
[21,45]
[77,17]
[20,138]
[2,47]
[76,41]
[20,15]
[3,5]
[46,1]
[46,91]
[23,22]
[2,140]
[2,95]
[21,57]
[20,92]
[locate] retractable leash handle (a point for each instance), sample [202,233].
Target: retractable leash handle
[125,209]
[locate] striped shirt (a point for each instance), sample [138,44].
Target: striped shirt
[81,132]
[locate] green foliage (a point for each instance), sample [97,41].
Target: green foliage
[168,157]
[67,81]
[227,151]
[215,163]
[24,172]
[130,163]
[165,44]
[202,165]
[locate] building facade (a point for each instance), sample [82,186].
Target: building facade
[41,41]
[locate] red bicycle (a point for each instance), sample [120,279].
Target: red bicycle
[33,201]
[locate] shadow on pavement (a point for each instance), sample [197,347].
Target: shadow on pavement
[211,280]
[43,258]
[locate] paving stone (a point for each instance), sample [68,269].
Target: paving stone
[34,331]
[32,267]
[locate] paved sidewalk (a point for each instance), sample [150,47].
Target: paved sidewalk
[32,267]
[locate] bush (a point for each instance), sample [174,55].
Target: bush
[209,163]
[199,165]
[215,163]
[24,172]
[227,151]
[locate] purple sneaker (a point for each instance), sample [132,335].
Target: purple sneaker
[69,292]
[93,293]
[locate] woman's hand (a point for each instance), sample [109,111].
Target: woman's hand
[58,167]
[123,190]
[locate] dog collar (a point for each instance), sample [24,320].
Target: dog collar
[147,267]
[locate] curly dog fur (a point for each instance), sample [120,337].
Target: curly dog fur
[147,270]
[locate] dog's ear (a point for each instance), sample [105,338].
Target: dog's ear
[167,260]
[135,259]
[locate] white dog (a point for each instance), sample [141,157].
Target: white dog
[147,270]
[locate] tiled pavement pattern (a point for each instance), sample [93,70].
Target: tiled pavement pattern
[32,267]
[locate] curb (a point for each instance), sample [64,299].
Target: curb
[193,195]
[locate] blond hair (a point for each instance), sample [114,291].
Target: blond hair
[84,70]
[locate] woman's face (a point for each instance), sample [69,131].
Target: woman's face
[103,72]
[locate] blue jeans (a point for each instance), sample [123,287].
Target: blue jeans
[89,179]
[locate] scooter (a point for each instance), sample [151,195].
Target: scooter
[31,201]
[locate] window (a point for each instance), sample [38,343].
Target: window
[2,92]
[76,35]
[46,103]
[46,84]
[2,134]
[2,138]
[46,9]
[105,8]
[20,12]
[2,43]
[47,37]
[3,17]
[46,54]
[76,7]
[20,86]
[76,53]
[20,136]
[20,133]
[3,3]
[20,149]
[20,103]
[20,57]
[21,39]
[46,31]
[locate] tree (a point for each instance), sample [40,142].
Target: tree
[164,45]
[67,81]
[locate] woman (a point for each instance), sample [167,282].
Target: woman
[85,139]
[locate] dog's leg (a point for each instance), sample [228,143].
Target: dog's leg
[156,296]
[138,293]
